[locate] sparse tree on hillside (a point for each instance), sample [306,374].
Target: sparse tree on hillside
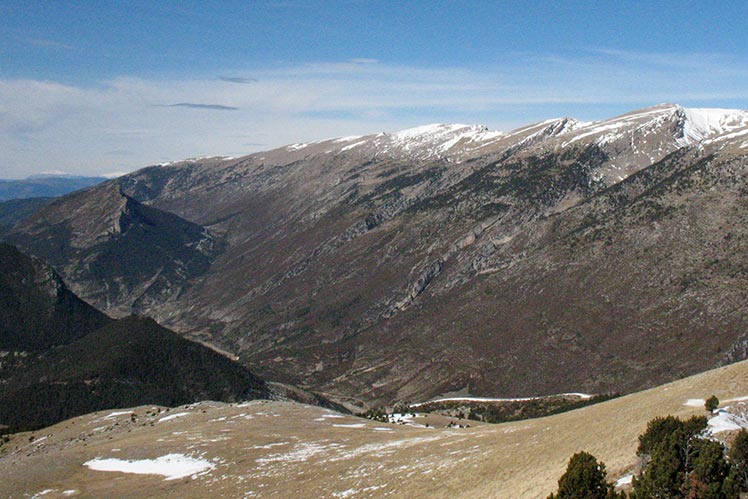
[684,464]
[671,445]
[585,479]
[671,431]
[663,476]
[711,403]
[709,472]
[739,460]
[657,430]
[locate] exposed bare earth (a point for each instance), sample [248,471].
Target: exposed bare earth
[280,449]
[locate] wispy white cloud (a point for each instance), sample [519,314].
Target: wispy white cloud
[697,61]
[197,105]
[237,79]
[51,125]
[48,44]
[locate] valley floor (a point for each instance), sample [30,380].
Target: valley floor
[284,450]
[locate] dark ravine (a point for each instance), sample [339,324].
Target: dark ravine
[561,257]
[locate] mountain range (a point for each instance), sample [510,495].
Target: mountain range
[562,256]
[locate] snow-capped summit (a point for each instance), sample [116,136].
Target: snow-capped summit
[713,124]
[687,126]
[450,141]
[623,144]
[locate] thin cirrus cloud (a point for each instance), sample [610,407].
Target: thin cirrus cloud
[238,79]
[44,124]
[195,105]
[48,44]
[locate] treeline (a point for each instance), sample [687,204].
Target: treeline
[529,409]
[680,461]
[493,412]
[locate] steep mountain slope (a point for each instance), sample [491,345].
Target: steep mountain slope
[562,256]
[37,310]
[60,357]
[278,449]
[116,252]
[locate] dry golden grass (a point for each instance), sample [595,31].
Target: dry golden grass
[287,450]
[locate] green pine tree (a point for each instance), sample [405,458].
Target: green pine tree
[739,460]
[708,472]
[585,478]
[711,403]
[663,477]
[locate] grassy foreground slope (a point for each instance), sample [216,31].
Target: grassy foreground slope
[282,449]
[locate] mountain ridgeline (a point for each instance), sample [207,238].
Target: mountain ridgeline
[562,256]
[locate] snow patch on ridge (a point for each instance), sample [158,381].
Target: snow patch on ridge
[704,123]
[583,396]
[437,139]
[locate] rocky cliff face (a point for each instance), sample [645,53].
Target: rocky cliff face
[562,256]
[121,255]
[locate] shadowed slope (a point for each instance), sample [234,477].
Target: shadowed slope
[61,357]
[37,309]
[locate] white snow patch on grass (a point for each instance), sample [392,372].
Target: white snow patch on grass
[352,425]
[624,480]
[173,416]
[724,421]
[737,399]
[695,402]
[382,449]
[333,416]
[269,446]
[114,415]
[584,396]
[42,493]
[171,466]
[301,452]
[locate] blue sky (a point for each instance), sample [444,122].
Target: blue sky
[101,86]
